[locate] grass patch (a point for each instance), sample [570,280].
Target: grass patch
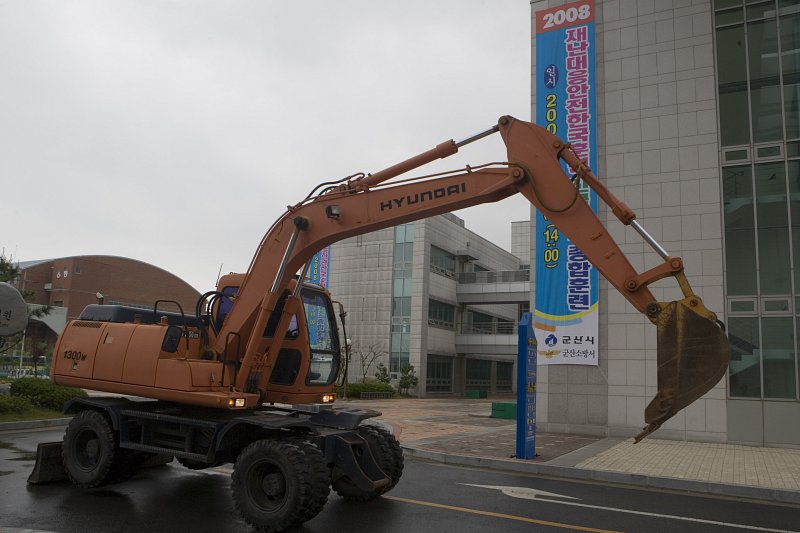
[32,414]
[15,408]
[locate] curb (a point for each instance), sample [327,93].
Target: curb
[34,424]
[623,478]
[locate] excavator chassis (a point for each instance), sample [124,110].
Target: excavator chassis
[286,459]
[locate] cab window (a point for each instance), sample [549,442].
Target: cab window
[322,337]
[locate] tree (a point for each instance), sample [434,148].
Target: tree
[382,374]
[408,378]
[368,355]
[9,272]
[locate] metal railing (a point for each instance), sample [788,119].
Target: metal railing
[377,395]
[495,276]
[494,328]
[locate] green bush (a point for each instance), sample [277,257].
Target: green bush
[15,405]
[382,374]
[354,390]
[408,378]
[45,394]
[29,387]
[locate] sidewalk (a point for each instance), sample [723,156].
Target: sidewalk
[460,431]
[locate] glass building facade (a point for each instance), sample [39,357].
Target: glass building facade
[401,296]
[758,75]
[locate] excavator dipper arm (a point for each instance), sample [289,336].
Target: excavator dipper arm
[692,350]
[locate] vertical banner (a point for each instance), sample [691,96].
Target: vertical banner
[318,273]
[566,308]
[526,390]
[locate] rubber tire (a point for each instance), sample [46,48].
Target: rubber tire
[389,455]
[321,484]
[297,471]
[89,449]
[391,452]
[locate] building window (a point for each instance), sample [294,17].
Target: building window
[478,374]
[401,296]
[400,349]
[439,374]
[482,323]
[505,376]
[758,70]
[441,314]
[479,323]
[442,262]
[401,306]
[77,269]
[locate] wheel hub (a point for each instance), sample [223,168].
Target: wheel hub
[88,449]
[273,485]
[92,449]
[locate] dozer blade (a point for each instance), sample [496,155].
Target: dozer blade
[49,465]
[693,354]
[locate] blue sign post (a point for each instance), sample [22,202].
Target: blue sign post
[526,390]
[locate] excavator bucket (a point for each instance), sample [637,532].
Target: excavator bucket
[693,354]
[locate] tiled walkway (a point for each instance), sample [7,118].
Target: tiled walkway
[463,427]
[718,463]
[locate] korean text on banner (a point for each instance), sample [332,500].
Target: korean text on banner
[318,273]
[566,306]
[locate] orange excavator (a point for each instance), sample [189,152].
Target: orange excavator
[241,379]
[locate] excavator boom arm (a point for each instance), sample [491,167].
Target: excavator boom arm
[533,169]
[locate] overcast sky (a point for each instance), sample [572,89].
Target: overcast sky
[176,132]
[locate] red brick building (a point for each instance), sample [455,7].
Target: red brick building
[75,282]
[69,284]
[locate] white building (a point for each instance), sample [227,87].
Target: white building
[414,293]
[699,132]
[698,119]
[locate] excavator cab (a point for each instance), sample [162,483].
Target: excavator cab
[308,348]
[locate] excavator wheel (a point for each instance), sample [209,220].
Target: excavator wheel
[89,449]
[278,484]
[389,456]
[321,486]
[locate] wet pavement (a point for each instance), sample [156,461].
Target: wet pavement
[460,431]
[464,427]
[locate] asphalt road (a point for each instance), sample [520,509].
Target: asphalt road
[430,498]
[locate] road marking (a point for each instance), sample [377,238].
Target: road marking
[524,493]
[527,493]
[501,515]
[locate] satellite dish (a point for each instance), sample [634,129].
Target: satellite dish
[13,311]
